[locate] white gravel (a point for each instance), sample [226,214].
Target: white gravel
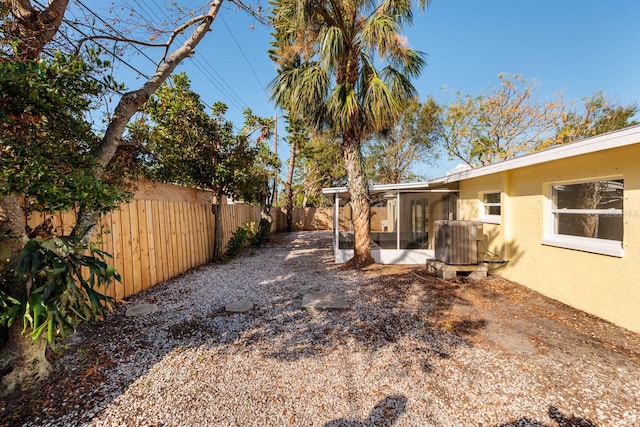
[383,362]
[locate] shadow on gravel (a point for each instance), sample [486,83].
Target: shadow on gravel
[384,414]
[560,419]
[390,307]
[393,307]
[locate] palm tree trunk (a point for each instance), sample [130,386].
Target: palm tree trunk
[359,192]
[289,186]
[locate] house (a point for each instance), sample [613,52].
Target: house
[564,221]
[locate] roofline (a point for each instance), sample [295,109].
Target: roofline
[384,187]
[607,141]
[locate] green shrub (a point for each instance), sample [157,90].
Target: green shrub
[239,240]
[52,285]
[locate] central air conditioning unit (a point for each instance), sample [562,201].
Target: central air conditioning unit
[457,241]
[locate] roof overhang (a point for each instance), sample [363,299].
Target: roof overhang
[607,141]
[405,187]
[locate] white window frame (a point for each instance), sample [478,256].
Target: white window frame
[587,244]
[482,215]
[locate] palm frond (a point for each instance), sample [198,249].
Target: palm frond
[398,82]
[343,106]
[400,10]
[382,105]
[380,33]
[409,61]
[301,91]
[332,47]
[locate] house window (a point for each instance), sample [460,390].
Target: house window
[490,208]
[587,216]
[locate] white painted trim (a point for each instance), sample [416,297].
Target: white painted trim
[490,219]
[586,244]
[402,256]
[389,256]
[588,211]
[405,187]
[398,221]
[336,222]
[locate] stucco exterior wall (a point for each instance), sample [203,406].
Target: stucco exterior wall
[607,286]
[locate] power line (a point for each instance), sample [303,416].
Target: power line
[201,63]
[244,56]
[144,6]
[114,29]
[72,25]
[230,92]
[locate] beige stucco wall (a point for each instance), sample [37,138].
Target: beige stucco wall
[606,286]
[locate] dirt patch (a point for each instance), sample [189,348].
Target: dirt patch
[498,313]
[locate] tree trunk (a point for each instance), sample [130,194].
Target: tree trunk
[129,104]
[34,29]
[217,248]
[289,186]
[11,216]
[589,197]
[359,192]
[23,361]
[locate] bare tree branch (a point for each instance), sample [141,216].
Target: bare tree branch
[257,14]
[131,101]
[175,33]
[117,39]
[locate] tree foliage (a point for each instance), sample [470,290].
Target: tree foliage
[184,144]
[50,153]
[60,277]
[344,66]
[45,141]
[510,121]
[597,116]
[45,138]
[319,165]
[506,122]
[391,155]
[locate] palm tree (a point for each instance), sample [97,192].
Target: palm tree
[344,66]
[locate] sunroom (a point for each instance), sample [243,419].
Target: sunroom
[401,223]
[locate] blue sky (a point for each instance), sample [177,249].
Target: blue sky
[574,47]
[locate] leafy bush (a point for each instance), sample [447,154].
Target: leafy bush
[239,240]
[262,233]
[52,285]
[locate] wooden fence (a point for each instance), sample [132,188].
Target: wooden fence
[163,232]
[322,218]
[304,219]
[166,230]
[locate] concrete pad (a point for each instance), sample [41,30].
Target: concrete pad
[240,306]
[141,310]
[474,276]
[325,301]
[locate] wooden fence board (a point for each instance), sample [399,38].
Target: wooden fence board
[126,268]
[166,241]
[154,238]
[175,255]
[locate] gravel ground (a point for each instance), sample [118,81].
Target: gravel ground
[413,350]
